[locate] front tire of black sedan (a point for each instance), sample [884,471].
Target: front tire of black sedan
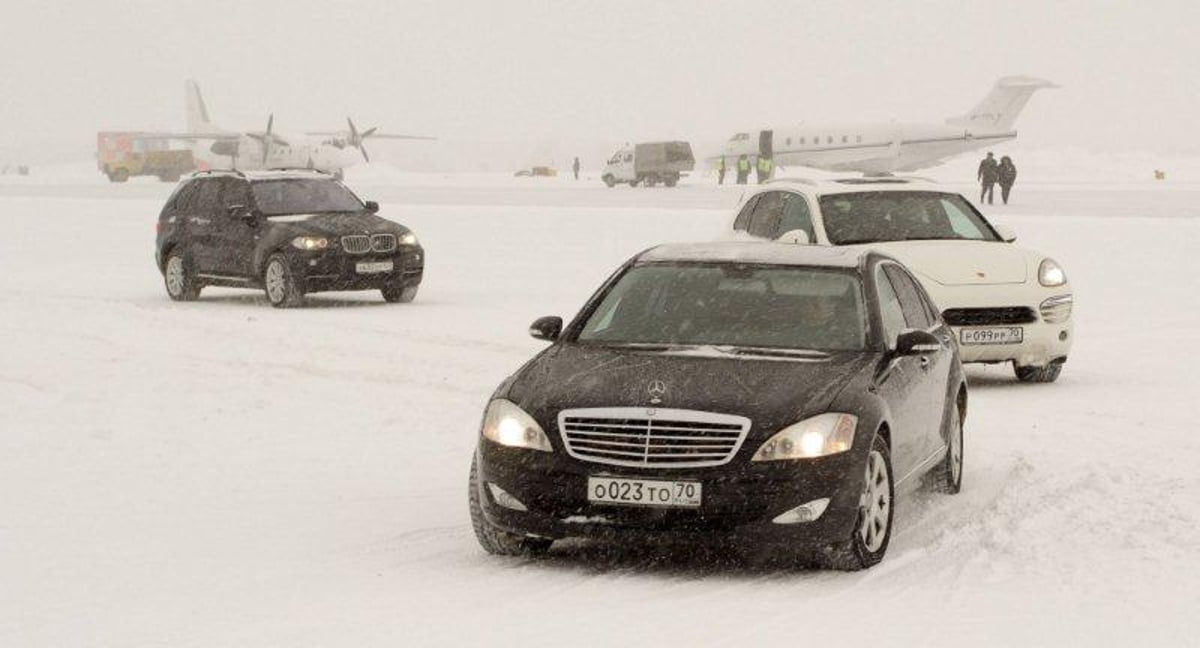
[281,287]
[178,277]
[497,541]
[869,541]
[399,294]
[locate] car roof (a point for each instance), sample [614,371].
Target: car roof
[758,252]
[264,174]
[853,184]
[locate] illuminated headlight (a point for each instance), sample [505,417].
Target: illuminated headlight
[408,239]
[509,425]
[1051,274]
[818,436]
[310,243]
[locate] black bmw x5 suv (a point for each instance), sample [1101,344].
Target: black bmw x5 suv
[287,232]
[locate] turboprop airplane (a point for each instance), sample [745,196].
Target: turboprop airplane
[883,148]
[329,151]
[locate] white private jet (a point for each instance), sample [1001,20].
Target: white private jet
[884,148]
[329,151]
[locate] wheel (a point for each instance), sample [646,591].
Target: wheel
[178,277]
[633,183]
[608,180]
[497,541]
[1046,374]
[281,287]
[671,181]
[119,175]
[869,540]
[947,476]
[399,294]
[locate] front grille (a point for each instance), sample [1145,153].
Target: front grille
[383,242]
[356,243]
[989,316]
[649,437]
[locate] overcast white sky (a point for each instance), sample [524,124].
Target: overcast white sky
[608,70]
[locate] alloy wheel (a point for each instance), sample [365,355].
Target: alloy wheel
[876,503]
[175,277]
[276,281]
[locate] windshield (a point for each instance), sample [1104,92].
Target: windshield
[303,196]
[875,216]
[731,305]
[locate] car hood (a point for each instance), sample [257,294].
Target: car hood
[338,224]
[961,263]
[771,392]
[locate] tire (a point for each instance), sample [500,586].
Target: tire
[279,284]
[178,277]
[869,541]
[633,183]
[671,180]
[609,181]
[399,294]
[1046,374]
[947,476]
[119,175]
[497,541]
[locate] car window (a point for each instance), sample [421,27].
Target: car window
[742,223]
[208,195]
[768,211]
[184,199]
[235,192]
[962,224]
[915,314]
[873,216]
[796,216]
[889,308]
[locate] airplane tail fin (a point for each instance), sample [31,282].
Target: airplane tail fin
[999,109]
[197,112]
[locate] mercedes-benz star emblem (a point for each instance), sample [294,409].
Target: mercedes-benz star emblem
[657,389]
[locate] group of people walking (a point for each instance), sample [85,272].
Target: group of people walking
[991,173]
[763,166]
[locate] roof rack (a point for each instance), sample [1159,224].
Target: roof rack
[213,171]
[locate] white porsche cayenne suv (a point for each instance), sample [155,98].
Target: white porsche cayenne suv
[1006,303]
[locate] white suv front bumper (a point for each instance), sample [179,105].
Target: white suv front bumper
[1044,340]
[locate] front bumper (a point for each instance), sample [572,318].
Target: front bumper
[739,501]
[1043,342]
[336,270]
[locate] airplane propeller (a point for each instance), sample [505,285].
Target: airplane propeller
[356,138]
[268,139]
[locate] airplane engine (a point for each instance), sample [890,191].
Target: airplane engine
[225,147]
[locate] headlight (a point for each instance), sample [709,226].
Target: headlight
[818,436]
[408,239]
[1051,274]
[310,242]
[509,425]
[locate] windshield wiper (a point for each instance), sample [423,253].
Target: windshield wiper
[773,351]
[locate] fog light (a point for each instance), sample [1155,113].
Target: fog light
[503,498]
[806,512]
[1062,336]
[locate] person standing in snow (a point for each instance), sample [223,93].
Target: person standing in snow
[987,176]
[575,167]
[721,170]
[743,168]
[1006,175]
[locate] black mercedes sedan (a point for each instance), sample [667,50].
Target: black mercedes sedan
[288,232]
[765,393]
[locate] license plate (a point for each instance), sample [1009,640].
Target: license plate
[995,335]
[373,267]
[643,492]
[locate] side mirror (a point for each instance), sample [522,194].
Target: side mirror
[546,328]
[244,213]
[371,206]
[796,236]
[917,342]
[1006,233]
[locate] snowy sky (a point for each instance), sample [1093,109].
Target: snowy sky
[609,70]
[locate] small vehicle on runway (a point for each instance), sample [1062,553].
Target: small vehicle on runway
[288,232]
[1006,303]
[774,394]
[648,164]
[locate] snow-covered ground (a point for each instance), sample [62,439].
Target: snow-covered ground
[223,473]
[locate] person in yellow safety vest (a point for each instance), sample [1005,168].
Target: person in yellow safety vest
[721,170]
[743,169]
[763,168]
